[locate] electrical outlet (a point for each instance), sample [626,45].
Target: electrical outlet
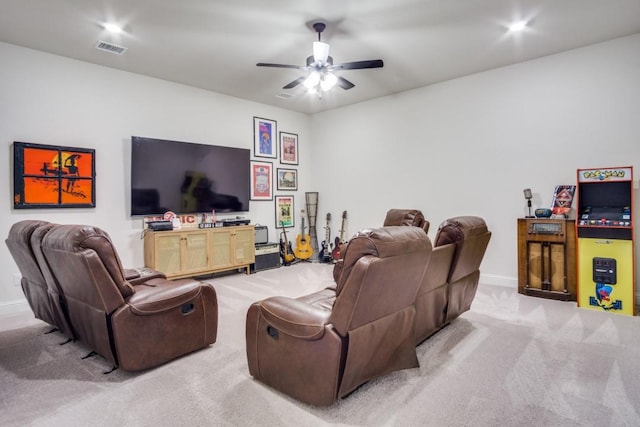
[17,279]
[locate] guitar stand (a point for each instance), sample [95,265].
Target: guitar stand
[312,213]
[295,261]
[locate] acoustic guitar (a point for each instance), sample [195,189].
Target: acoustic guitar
[337,247]
[285,247]
[303,242]
[325,252]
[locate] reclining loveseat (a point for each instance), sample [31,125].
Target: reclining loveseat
[320,347]
[136,319]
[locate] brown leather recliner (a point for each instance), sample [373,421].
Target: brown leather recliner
[322,346]
[431,300]
[44,297]
[433,295]
[453,271]
[135,325]
[471,238]
[413,217]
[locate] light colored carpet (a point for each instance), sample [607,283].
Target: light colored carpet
[511,360]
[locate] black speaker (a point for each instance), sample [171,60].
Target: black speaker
[267,256]
[160,225]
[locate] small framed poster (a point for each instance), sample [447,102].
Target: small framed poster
[264,138]
[287,179]
[261,180]
[288,148]
[284,212]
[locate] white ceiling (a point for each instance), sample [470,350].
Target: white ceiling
[215,44]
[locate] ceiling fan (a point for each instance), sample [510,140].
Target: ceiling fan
[320,69]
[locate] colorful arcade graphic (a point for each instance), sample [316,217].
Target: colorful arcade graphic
[605,240]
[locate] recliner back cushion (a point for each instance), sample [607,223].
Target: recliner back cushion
[19,245]
[33,282]
[411,217]
[81,237]
[377,265]
[471,237]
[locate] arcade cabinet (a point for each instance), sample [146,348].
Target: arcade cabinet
[604,228]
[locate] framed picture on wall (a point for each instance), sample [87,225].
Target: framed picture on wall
[264,138]
[284,212]
[261,180]
[287,179]
[288,148]
[53,176]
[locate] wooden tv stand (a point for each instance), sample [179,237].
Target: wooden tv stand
[193,251]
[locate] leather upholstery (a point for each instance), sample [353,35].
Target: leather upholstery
[40,290]
[470,236]
[433,295]
[453,271]
[320,347]
[412,217]
[135,325]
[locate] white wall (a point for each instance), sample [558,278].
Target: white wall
[471,145]
[467,146]
[49,99]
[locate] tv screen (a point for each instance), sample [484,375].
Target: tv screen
[186,178]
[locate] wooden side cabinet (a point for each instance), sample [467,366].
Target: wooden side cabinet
[547,258]
[186,253]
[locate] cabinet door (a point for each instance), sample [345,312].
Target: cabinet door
[196,252]
[167,257]
[221,249]
[244,246]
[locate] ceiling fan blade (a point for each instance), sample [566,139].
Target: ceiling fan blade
[358,65]
[344,83]
[264,64]
[294,83]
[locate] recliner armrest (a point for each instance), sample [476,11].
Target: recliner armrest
[162,295]
[137,276]
[294,318]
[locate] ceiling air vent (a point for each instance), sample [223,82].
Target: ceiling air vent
[284,95]
[110,47]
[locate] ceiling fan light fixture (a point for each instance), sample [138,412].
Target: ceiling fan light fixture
[320,52]
[328,81]
[312,81]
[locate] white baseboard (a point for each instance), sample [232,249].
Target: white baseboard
[512,282]
[16,306]
[493,279]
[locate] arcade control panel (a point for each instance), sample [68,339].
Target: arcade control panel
[606,217]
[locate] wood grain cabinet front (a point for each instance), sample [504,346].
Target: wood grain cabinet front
[547,258]
[186,253]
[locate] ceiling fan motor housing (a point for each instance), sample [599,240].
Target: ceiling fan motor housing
[319,27]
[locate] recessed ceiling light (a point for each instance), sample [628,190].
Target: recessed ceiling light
[112,28]
[518,26]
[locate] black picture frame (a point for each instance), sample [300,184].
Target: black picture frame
[286,179]
[285,211]
[53,176]
[265,132]
[288,148]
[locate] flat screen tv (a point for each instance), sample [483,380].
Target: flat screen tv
[187,178]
